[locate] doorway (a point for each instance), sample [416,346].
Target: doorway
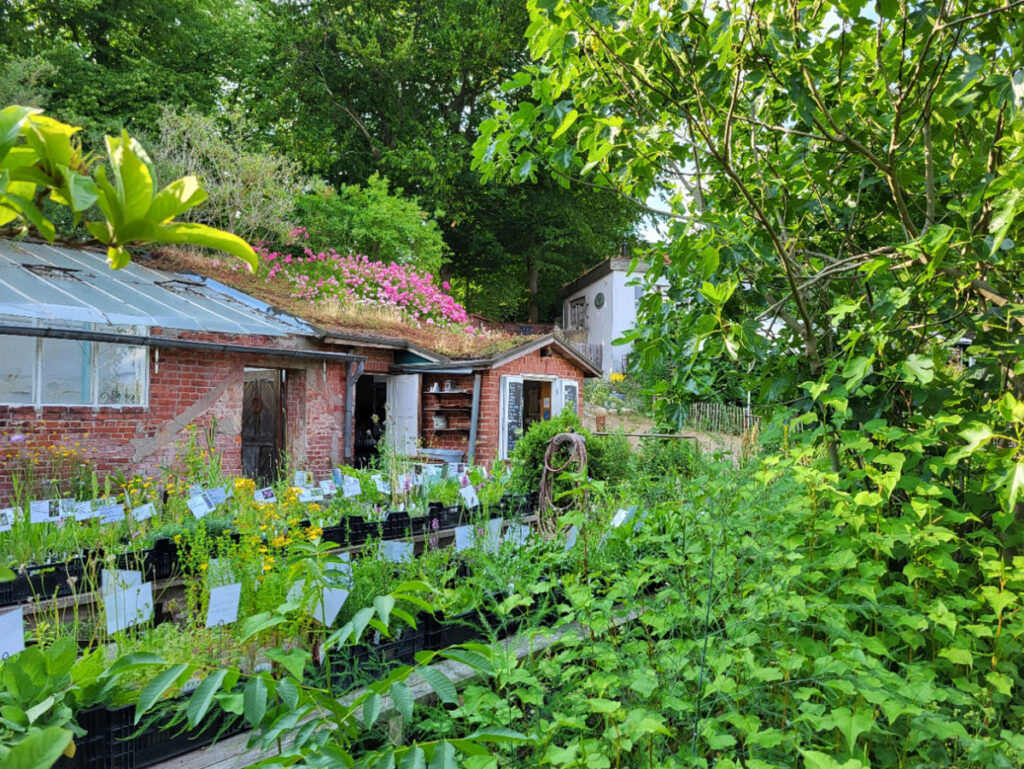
[262,423]
[536,402]
[370,416]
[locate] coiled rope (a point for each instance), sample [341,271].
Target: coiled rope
[576,462]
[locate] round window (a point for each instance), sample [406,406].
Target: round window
[599,300]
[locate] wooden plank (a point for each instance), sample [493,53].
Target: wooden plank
[685,436]
[233,752]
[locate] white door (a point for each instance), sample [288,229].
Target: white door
[404,407]
[511,414]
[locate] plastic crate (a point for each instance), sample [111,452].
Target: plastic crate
[155,744]
[105,744]
[336,534]
[357,529]
[396,525]
[17,590]
[162,560]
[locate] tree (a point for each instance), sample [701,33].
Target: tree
[41,157]
[843,183]
[399,89]
[116,63]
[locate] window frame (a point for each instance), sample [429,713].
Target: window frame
[36,401]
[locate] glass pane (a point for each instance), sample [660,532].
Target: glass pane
[122,373]
[65,372]
[19,356]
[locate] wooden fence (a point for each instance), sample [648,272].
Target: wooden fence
[721,418]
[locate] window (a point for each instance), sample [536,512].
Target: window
[72,372]
[578,313]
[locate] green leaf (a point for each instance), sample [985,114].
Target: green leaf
[371,709]
[566,123]
[958,656]
[255,701]
[384,604]
[443,757]
[293,660]
[600,705]
[257,623]
[413,759]
[201,235]
[851,724]
[1016,484]
[919,367]
[202,697]
[159,686]
[499,734]
[133,176]
[402,696]
[39,750]
[175,199]
[11,120]
[441,685]
[475,660]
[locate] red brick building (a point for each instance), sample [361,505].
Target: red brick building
[119,367]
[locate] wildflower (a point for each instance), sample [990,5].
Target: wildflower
[314,533]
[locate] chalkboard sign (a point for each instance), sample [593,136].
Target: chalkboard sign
[571,396]
[514,414]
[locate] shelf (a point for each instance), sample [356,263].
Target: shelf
[447,392]
[449,408]
[447,429]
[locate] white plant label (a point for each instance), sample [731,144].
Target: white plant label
[397,552]
[7,516]
[84,511]
[45,511]
[143,512]
[469,496]
[518,534]
[340,574]
[265,496]
[223,607]
[323,608]
[350,486]
[119,579]
[382,486]
[311,495]
[200,506]
[620,518]
[405,482]
[12,633]
[217,496]
[493,541]
[195,490]
[129,607]
[328,489]
[303,479]
[112,513]
[463,538]
[571,536]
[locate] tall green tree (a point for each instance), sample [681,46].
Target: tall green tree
[400,89]
[845,182]
[113,64]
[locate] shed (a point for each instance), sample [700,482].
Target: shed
[116,364]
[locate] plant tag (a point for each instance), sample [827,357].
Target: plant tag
[12,633]
[620,518]
[223,606]
[351,487]
[417,480]
[119,579]
[46,510]
[395,551]
[382,486]
[143,512]
[191,685]
[195,490]
[7,516]
[217,495]
[323,608]
[463,480]
[311,495]
[328,489]
[493,540]
[112,513]
[468,494]
[84,511]
[303,479]
[200,506]
[570,537]
[463,538]
[337,475]
[129,607]
[518,534]
[265,496]
[339,574]
[640,522]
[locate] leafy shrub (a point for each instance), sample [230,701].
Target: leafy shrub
[608,457]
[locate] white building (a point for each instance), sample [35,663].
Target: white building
[599,307]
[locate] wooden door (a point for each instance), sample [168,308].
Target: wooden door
[261,425]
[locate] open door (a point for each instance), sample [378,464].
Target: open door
[511,414]
[404,403]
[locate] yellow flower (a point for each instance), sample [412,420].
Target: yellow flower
[280,541]
[314,508]
[617,377]
[202,566]
[264,549]
[314,533]
[267,567]
[177,539]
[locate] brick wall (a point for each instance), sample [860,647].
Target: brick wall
[489,427]
[185,387]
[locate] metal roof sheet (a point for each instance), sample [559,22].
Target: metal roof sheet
[56,284]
